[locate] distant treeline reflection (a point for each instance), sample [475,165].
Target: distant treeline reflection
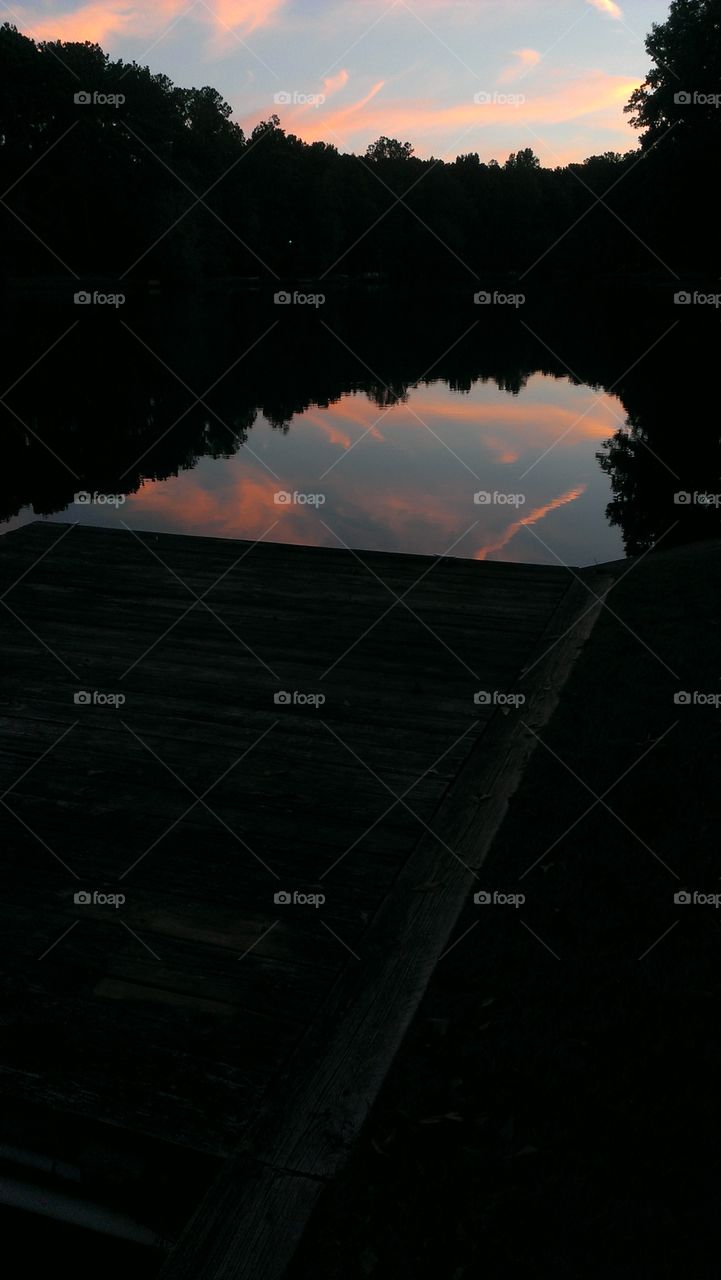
[117,401]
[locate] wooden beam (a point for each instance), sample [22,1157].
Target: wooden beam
[250,1221]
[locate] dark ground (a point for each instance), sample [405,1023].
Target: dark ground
[561,1110]
[85,1255]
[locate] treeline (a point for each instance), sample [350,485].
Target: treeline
[108,169]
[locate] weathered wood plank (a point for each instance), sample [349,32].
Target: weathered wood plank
[328,1091]
[186,1041]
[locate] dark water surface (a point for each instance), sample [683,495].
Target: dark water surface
[561,430]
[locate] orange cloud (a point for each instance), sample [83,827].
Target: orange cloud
[328,428]
[518,426]
[185,502]
[528,423]
[369,117]
[356,411]
[607,6]
[242,508]
[533,517]
[98,21]
[332,84]
[501,450]
[527,58]
[93,22]
[247,14]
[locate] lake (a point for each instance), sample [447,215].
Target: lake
[428,428]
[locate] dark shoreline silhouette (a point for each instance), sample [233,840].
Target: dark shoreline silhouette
[142,179]
[137,372]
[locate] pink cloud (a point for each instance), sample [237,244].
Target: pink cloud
[243,507]
[247,14]
[528,423]
[533,517]
[424,120]
[333,84]
[607,6]
[351,410]
[106,18]
[527,59]
[94,22]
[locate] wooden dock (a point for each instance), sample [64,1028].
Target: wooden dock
[203,1053]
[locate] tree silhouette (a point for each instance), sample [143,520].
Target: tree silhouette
[389,149]
[682,91]
[525,159]
[165,184]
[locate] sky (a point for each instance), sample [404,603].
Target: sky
[450,76]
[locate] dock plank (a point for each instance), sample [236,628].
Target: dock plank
[202,1002]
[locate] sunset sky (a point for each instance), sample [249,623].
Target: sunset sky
[552,74]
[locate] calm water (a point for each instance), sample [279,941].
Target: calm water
[405,478]
[531,440]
